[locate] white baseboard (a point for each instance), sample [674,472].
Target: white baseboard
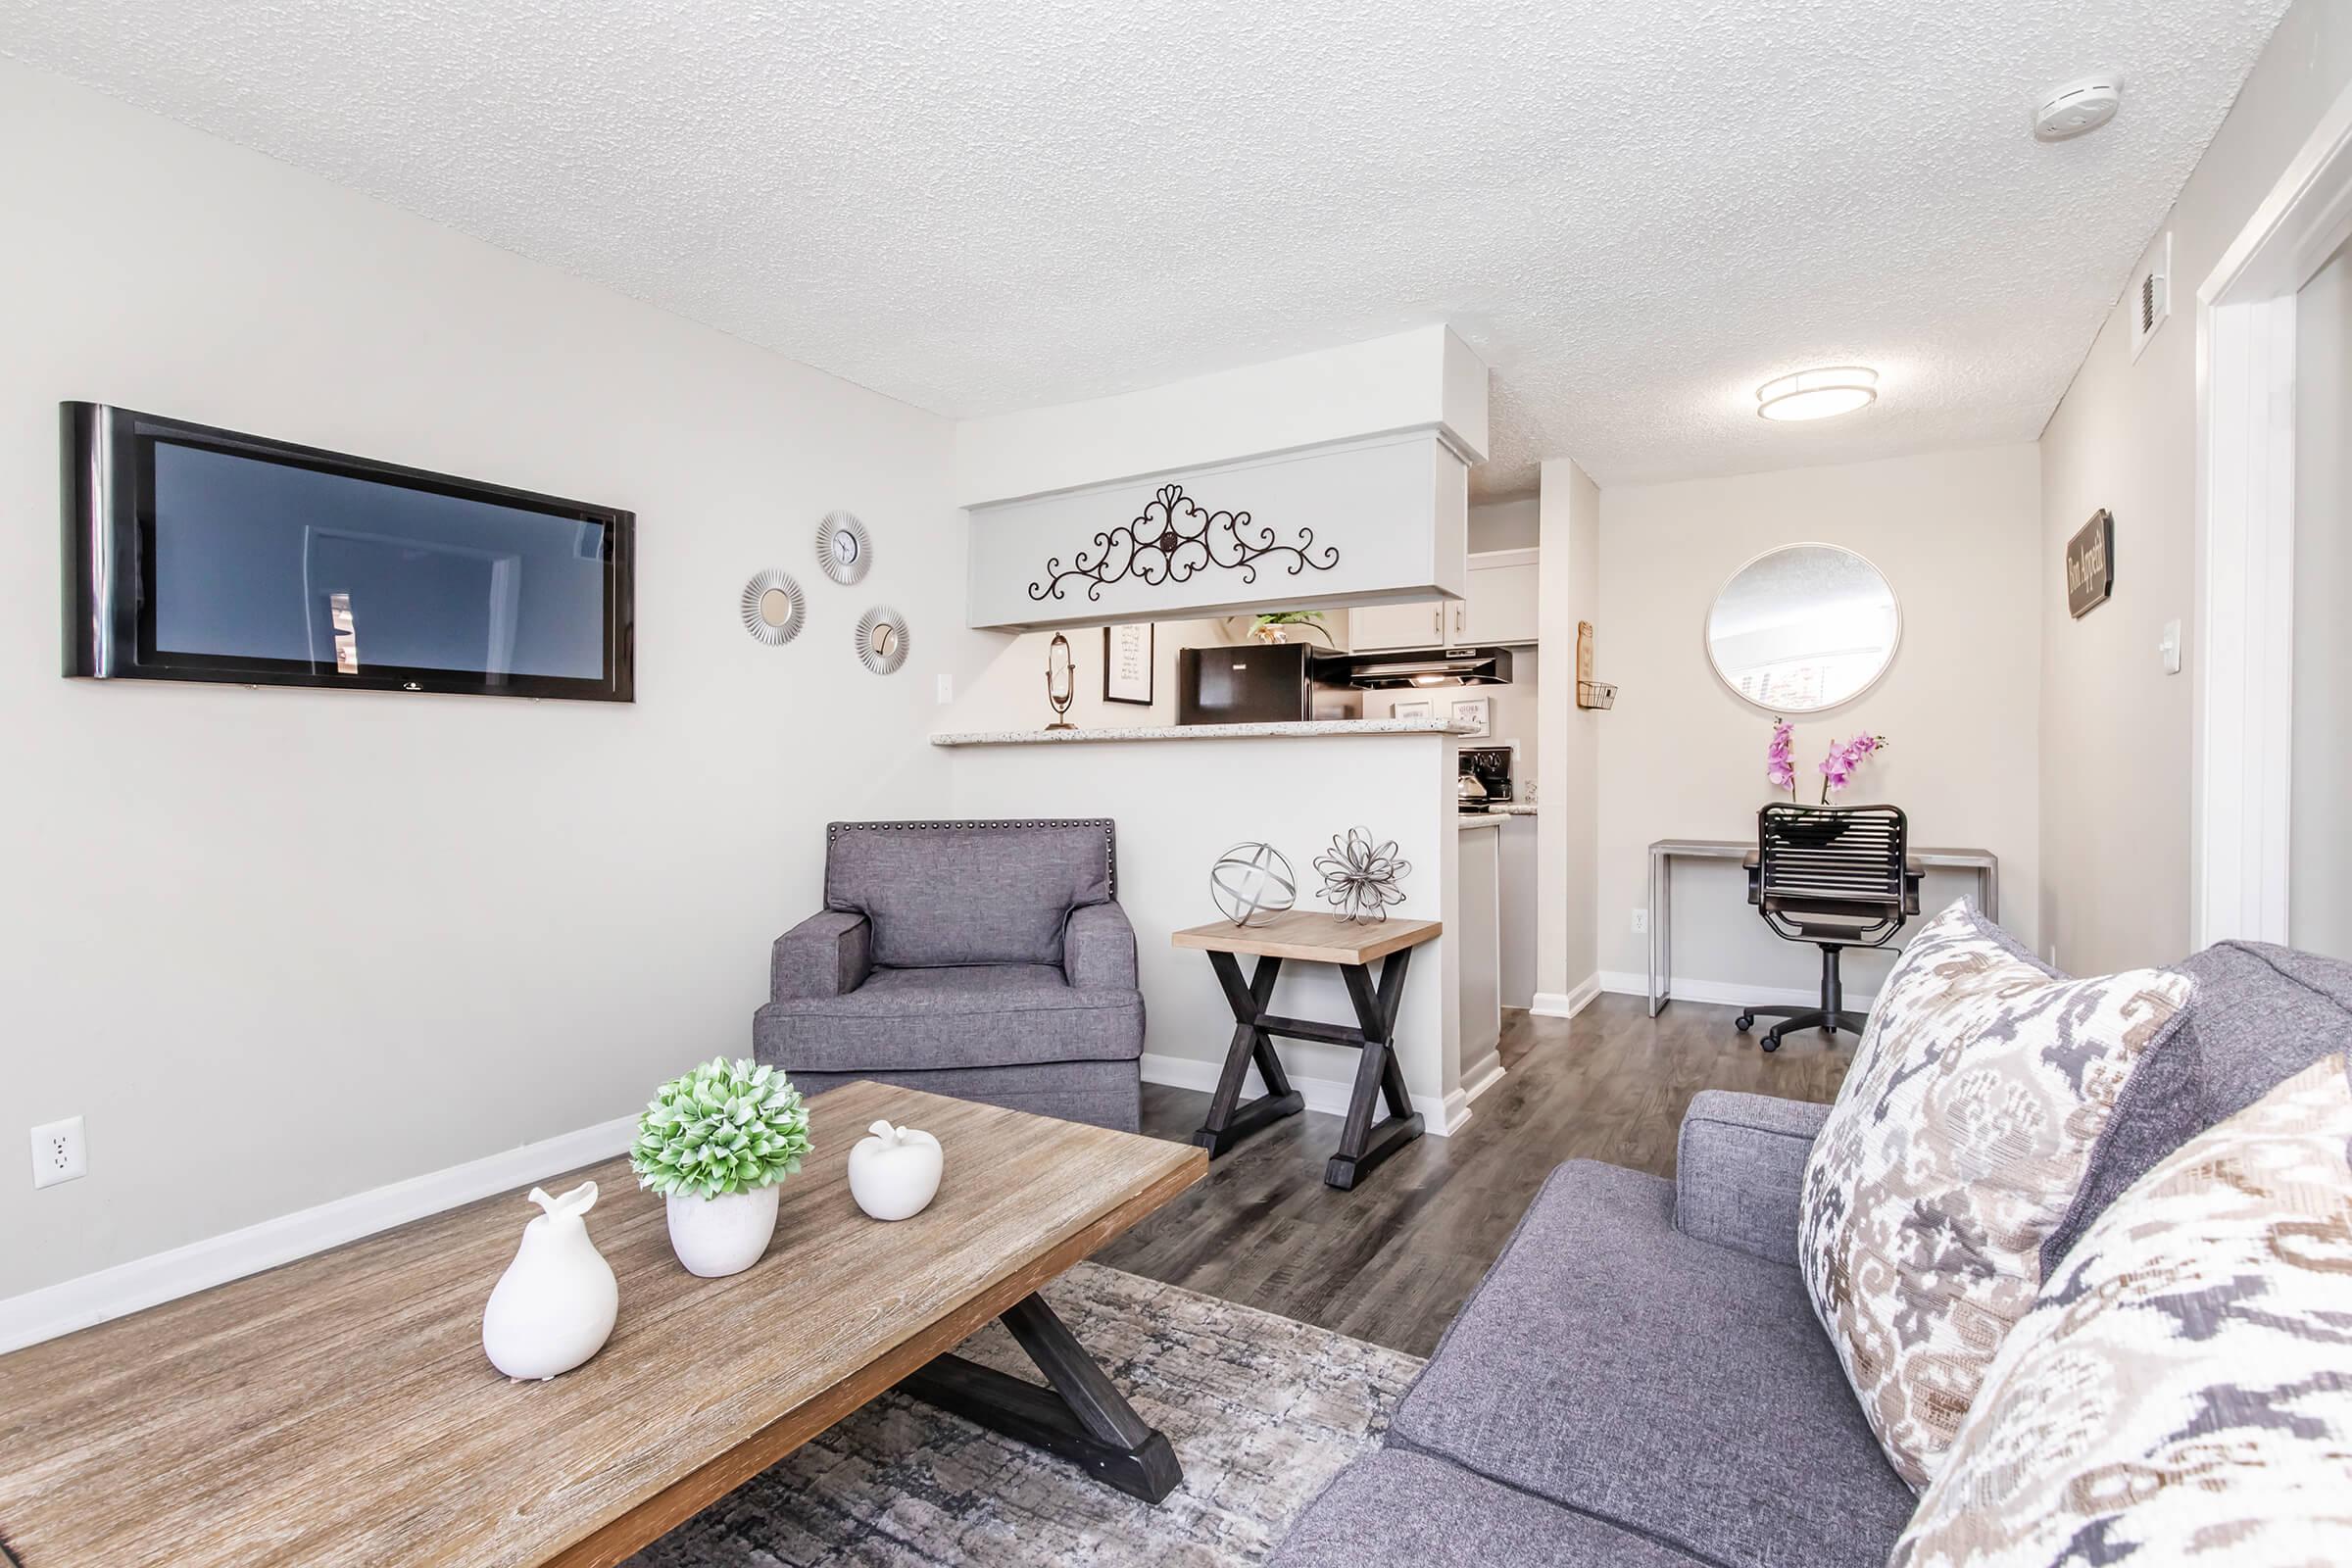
[1727,993]
[1440,1117]
[146,1282]
[1566,1003]
[1485,1081]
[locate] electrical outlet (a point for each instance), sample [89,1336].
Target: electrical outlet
[59,1153]
[1641,922]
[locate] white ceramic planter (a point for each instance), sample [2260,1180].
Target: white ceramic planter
[554,1304]
[715,1237]
[894,1171]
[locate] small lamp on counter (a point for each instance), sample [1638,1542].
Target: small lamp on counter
[1061,681]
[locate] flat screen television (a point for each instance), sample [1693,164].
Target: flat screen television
[199,553]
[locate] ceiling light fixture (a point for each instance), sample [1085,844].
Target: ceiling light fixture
[1818,394]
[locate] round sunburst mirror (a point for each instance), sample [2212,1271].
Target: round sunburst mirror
[882,639]
[843,546]
[773,609]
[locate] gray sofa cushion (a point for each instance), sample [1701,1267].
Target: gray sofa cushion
[2262,1013]
[979,1016]
[824,955]
[1105,1094]
[1679,1390]
[1739,1170]
[1396,1509]
[958,893]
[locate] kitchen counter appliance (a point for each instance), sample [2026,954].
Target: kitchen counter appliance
[1263,683]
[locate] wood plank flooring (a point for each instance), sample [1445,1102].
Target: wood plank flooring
[1394,1260]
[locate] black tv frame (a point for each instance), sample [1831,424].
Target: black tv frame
[108,490]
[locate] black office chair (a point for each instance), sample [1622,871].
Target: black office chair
[1838,876]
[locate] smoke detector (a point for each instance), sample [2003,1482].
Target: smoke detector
[2077,106]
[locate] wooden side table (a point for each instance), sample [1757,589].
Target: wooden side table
[1313,939]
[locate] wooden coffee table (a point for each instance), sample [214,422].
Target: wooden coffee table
[339,1410]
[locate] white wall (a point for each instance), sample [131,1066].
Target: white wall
[1957,534]
[1009,691]
[2114,728]
[1568,836]
[1425,377]
[1513,524]
[1179,804]
[280,947]
[2320,834]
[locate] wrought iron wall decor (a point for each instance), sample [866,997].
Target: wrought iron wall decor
[1176,538]
[1360,875]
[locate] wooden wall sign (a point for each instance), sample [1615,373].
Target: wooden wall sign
[2090,565]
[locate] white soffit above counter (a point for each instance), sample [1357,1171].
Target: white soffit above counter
[1338,477]
[1427,378]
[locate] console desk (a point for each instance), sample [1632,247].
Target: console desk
[1665,852]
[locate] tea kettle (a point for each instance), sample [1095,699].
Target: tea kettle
[1468,790]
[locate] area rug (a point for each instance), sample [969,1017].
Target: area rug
[1262,1411]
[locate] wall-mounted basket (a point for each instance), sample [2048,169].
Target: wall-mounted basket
[1590,693]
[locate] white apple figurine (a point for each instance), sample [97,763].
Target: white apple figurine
[894,1171]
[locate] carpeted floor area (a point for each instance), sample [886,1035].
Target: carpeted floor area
[1262,1411]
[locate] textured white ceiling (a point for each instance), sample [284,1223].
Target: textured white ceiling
[1636,211]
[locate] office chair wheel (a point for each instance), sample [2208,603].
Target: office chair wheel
[1771,1040]
[1744,1022]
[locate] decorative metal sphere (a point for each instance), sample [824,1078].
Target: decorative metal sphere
[1360,875]
[1251,883]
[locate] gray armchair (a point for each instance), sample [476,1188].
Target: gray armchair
[986,960]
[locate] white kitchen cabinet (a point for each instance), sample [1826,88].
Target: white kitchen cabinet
[1372,628]
[1504,605]
[1501,607]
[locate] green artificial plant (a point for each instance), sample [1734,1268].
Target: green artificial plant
[1304,619]
[725,1127]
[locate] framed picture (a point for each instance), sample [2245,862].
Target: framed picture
[1473,716]
[1127,654]
[1414,707]
[2090,565]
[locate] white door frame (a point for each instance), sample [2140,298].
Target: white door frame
[2243,698]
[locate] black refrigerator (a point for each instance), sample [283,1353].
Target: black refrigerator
[1263,683]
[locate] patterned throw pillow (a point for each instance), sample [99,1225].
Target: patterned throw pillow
[2182,1390]
[1960,1140]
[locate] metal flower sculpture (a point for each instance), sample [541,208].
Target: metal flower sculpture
[1360,876]
[1176,538]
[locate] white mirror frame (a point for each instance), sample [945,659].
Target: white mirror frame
[1706,645]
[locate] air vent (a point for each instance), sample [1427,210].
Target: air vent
[2151,292]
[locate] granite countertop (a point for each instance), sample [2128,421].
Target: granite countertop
[1198,732]
[1514,808]
[1477,819]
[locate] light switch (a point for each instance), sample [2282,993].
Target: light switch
[2168,648]
[947,690]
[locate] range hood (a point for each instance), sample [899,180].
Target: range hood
[1431,667]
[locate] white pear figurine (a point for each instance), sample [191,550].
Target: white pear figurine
[554,1304]
[894,1171]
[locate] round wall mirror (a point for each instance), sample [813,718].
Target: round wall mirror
[1803,629]
[773,607]
[882,639]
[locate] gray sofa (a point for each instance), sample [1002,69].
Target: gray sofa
[1639,1378]
[987,960]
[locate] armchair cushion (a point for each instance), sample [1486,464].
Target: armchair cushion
[967,893]
[826,954]
[977,1015]
[1097,948]
[1739,1169]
